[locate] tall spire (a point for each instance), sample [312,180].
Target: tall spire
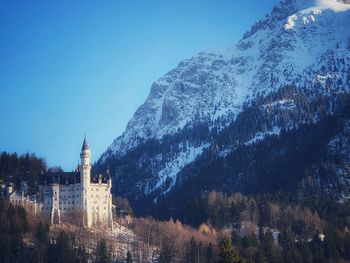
[85,145]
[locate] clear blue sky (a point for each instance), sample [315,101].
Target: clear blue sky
[69,67]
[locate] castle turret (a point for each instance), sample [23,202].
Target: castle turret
[85,169]
[109,179]
[10,189]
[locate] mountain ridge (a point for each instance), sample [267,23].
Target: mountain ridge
[160,105]
[304,45]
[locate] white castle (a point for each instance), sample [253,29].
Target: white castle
[81,195]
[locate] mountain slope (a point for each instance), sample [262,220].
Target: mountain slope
[300,52]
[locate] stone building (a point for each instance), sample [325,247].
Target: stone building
[85,196]
[20,197]
[30,203]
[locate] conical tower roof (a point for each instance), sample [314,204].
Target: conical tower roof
[85,145]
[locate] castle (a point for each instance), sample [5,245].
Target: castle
[84,196]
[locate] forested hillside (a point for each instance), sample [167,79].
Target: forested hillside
[16,169]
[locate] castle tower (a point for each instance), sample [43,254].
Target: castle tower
[85,169]
[110,212]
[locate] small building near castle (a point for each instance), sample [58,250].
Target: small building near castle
[84,195]
[20,197]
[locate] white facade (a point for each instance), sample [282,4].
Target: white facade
[88,199]
[29,203]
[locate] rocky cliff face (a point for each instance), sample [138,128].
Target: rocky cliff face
[301,44]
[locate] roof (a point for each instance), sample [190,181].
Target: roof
[66,178]
[61,178]
[85,145]
[95,176]
[15,194]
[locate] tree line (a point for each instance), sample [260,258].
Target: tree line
[16,169]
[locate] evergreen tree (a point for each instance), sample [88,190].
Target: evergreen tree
[62,250]
[317,249]
[82,256]
[347,246]
[103,252]
[236,239]
[227,253]
[42,240]
[235,214]
[192,254]
[166,253]
[261,256]
[129,258]
[264,213]
[266,243]
[210,254]
[305,251]
[331,243]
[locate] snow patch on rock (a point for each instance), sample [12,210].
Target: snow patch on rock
[172,168]
[259,136]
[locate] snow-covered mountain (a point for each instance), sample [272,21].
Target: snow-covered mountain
[301,43]
[283,48]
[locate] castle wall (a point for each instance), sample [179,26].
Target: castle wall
[100,196]
[69,198]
